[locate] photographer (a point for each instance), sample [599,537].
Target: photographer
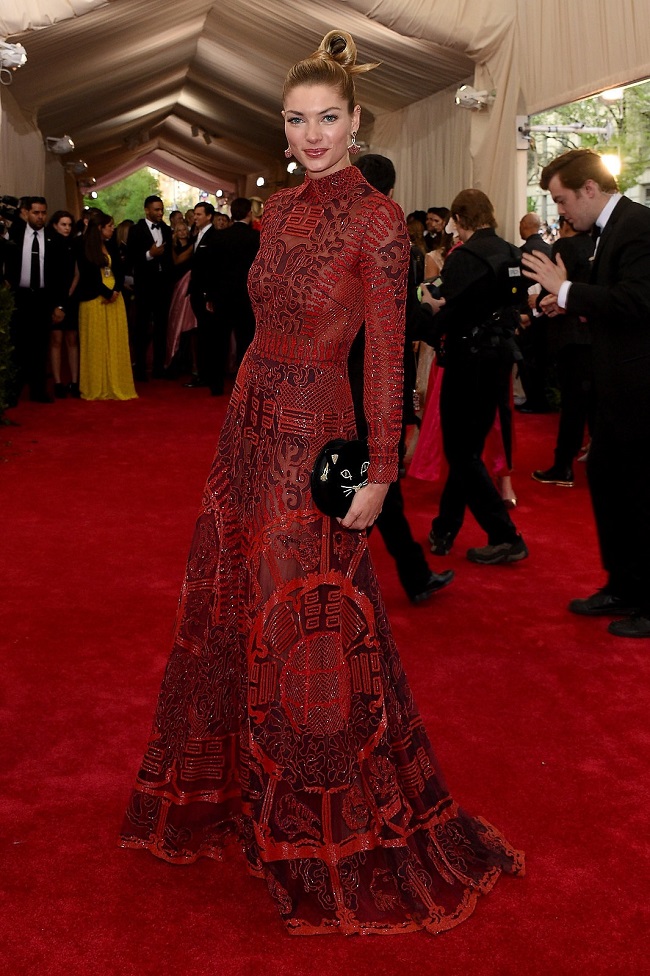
[473,324]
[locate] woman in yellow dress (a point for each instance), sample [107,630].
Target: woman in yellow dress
[105,369]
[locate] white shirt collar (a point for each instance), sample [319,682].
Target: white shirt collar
[606,212]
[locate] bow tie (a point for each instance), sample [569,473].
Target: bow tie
[156,226]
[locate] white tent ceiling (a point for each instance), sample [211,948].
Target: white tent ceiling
[129,79]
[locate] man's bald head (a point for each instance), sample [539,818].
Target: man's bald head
[529,224]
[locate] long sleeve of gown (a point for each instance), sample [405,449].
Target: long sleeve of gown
[384,269]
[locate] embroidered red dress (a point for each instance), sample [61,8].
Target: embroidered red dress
[285,723]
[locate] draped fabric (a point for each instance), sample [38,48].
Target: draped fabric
[224,64]
[285,722]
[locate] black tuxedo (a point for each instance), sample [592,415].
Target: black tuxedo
[31,322]
[235,249]
[616,302]
[153,281]
[533,342]
[213,337]
[569,345]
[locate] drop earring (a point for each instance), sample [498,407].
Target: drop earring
[288,152]
[354,149]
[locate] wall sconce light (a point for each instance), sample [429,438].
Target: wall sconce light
[60,145]
[78,168]
[260,181]
[470,98]
[12,57]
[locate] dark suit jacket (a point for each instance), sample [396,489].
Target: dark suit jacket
[55,275]
[234,251]
[567,330]
[150,275]
[616,302]
[203,266]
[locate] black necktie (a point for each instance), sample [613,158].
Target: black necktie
[35,270]
[595,232]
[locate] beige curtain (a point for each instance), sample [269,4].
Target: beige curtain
[22,158]
[573,48]
[429,145]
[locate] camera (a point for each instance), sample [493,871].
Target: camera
[9,207]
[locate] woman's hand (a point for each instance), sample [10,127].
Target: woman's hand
[365,508]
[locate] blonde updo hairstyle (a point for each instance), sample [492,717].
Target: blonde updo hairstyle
[334,64]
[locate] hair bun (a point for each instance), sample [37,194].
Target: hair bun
[339,46]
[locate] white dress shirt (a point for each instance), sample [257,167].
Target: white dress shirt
[26,266]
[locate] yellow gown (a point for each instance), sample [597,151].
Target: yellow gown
[105,362]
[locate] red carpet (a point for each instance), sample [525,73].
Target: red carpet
[539,719]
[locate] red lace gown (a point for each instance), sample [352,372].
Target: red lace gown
[285,723]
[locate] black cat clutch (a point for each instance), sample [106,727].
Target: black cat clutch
[339,471]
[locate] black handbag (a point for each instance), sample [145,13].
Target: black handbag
[339,471]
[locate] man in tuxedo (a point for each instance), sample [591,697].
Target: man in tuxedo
[234,252]
[40,296]
[213,340]
[149,257]
[532,338]
[616,304]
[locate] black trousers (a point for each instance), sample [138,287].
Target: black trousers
[472,389]
[533,369]
[151,316]
[574,378]
[617,471]
[212,345]
[30,337]
[411,564]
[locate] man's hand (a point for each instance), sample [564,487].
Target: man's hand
[435,304]
[58,316]
[156,250]
[365,508]
[550,275]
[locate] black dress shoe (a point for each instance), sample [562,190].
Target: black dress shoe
[436,581]
[602,604]
[534,408]
[41,398]
[194,384]
[74,391]
[555,475]
[60,391]
[440,544]
[635,626]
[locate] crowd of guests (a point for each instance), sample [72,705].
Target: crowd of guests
[100,308]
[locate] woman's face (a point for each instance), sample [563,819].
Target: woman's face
[319,128]
[63,226]
[181,230]
[107,230]
[435,224]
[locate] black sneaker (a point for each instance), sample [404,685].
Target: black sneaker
[557,475]
[440,544]
[435,582]
[505,552]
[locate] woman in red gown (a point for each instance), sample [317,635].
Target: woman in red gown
[285,723]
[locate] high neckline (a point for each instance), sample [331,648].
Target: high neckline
[325,186]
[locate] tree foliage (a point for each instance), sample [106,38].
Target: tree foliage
[123,200]
[628,119]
